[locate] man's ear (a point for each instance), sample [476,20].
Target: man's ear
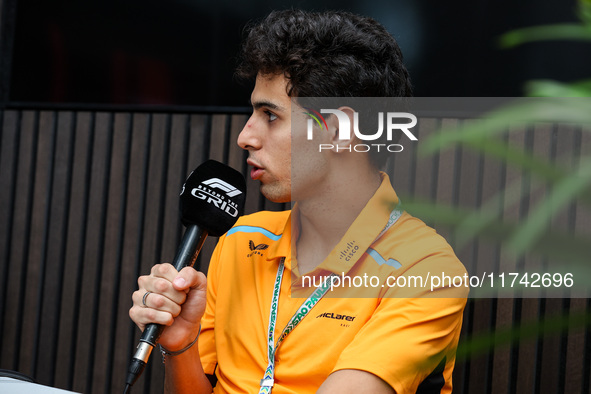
[343,138]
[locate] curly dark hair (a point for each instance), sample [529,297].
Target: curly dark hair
[326,54]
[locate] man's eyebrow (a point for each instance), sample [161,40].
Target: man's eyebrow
[262,103]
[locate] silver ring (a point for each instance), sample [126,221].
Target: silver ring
[144,298]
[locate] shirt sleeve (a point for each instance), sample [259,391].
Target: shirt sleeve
[409,339]
[207,349]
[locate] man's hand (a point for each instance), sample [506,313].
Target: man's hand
[176,300]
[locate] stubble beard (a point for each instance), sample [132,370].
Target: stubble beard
[276,192]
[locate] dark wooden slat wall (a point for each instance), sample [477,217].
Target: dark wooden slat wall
[88,202]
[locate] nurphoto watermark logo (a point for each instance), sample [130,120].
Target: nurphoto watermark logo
[388,123]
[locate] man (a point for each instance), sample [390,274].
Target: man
[345,221]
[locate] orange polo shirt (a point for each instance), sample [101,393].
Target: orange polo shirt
[404,335]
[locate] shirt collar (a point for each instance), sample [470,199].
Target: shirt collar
[358,238]
[364,230]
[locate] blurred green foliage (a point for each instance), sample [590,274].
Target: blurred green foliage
[565,31]
[565,185]
[558,103]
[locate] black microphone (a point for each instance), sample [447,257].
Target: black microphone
[212,199]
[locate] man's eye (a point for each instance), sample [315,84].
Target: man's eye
[271,116]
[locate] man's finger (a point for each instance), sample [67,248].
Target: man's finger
[166,271]
[143,316]
[189,278]
[148,299]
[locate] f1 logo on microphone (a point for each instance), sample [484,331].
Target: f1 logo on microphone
[205,191]
[230,190]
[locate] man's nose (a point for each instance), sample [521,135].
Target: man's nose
[248,138]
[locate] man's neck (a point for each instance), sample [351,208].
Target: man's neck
[326,217]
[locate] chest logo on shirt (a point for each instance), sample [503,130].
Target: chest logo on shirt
[336,316]
[349,251]
[256,249]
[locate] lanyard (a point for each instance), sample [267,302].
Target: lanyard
[303,310]
[268,379]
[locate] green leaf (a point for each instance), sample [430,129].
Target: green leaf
[519,158]
[562,246]
[561,195]
[483,343]
[525,161]
[584,11]
[549,88]
[520,112]
[566,31]
[490,210]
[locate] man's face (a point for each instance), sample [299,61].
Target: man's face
[267,137]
